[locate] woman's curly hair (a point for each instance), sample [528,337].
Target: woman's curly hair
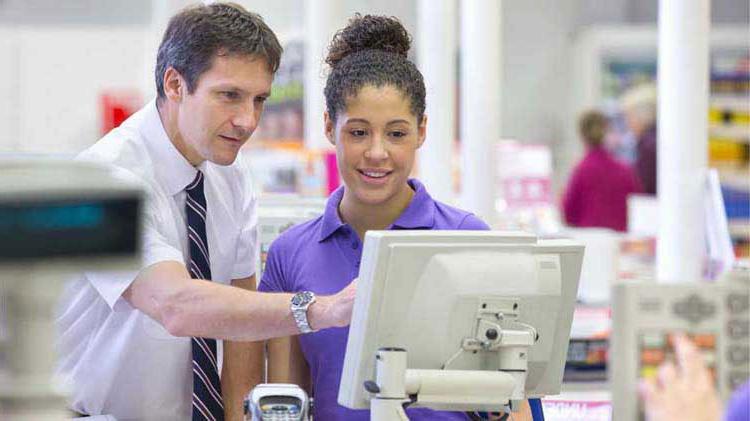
[372,51]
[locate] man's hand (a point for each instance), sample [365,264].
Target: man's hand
[333,310]
[684,392]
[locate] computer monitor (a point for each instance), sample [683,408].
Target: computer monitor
[431,292]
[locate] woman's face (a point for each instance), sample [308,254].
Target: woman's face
[376,139]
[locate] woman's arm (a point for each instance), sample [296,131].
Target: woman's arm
[287,364]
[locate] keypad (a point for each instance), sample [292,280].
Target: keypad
[738,303]
[694,309]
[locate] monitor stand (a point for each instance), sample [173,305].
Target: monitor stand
[396,387]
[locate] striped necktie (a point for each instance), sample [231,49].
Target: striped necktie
[207,402]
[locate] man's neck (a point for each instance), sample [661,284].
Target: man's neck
[168,117]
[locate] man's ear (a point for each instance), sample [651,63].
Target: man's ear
[422,131]
[330,128]
[174,85]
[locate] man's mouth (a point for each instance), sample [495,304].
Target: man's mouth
[229,138]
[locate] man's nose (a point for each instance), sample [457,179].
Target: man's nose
[245,118]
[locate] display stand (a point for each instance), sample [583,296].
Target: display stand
[397,386]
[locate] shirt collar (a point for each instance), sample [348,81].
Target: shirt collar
[331,219]
[419,214]
[421,210]
[173,170]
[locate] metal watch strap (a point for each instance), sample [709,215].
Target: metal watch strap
[299,311]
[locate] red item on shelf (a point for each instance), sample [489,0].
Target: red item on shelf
[116,106]
[332,171]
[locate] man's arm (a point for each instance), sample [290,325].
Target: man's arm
[195,307]
[242,368]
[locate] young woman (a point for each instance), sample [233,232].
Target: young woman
[375,100]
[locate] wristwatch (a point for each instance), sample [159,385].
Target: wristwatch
[300,302]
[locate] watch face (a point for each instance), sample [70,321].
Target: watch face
[301,298]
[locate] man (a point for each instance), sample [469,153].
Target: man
[141,346]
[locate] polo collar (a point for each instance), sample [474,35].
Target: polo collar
[419,214]
[331,219]
[421,210]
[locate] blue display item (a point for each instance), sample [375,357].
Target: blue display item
[736,202]
[69,228]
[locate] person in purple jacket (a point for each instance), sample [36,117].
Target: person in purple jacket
[375,100]
[639,104]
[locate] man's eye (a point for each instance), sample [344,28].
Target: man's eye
[261,99]
[230,94]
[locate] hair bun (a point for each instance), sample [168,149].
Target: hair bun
[369,32]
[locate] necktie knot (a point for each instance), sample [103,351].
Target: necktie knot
[197,183]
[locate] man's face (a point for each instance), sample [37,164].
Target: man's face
[223,111]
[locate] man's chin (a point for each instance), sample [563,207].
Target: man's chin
[224,160]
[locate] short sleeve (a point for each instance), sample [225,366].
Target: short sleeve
[273,274]
[472,223]
[247,245]
[154,249]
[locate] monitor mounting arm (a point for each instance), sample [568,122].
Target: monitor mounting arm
[396,385]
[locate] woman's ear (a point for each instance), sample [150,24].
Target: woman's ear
[330,128]
[422,131]
[174,84]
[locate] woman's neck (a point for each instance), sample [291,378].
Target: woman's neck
[364,217]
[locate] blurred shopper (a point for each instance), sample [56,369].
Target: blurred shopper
[686,391]
[597,192]
[639,106]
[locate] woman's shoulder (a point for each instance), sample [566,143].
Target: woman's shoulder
[449,217]
[296,236]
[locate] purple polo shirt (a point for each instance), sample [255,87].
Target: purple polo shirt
[738,407]
[323,256]
[598,190]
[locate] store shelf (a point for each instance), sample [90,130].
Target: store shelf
[739,229]
[739,133]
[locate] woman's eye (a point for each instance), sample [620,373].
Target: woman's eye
[398,134]
[357,133]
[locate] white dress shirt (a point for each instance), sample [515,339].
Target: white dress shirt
[116,359]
